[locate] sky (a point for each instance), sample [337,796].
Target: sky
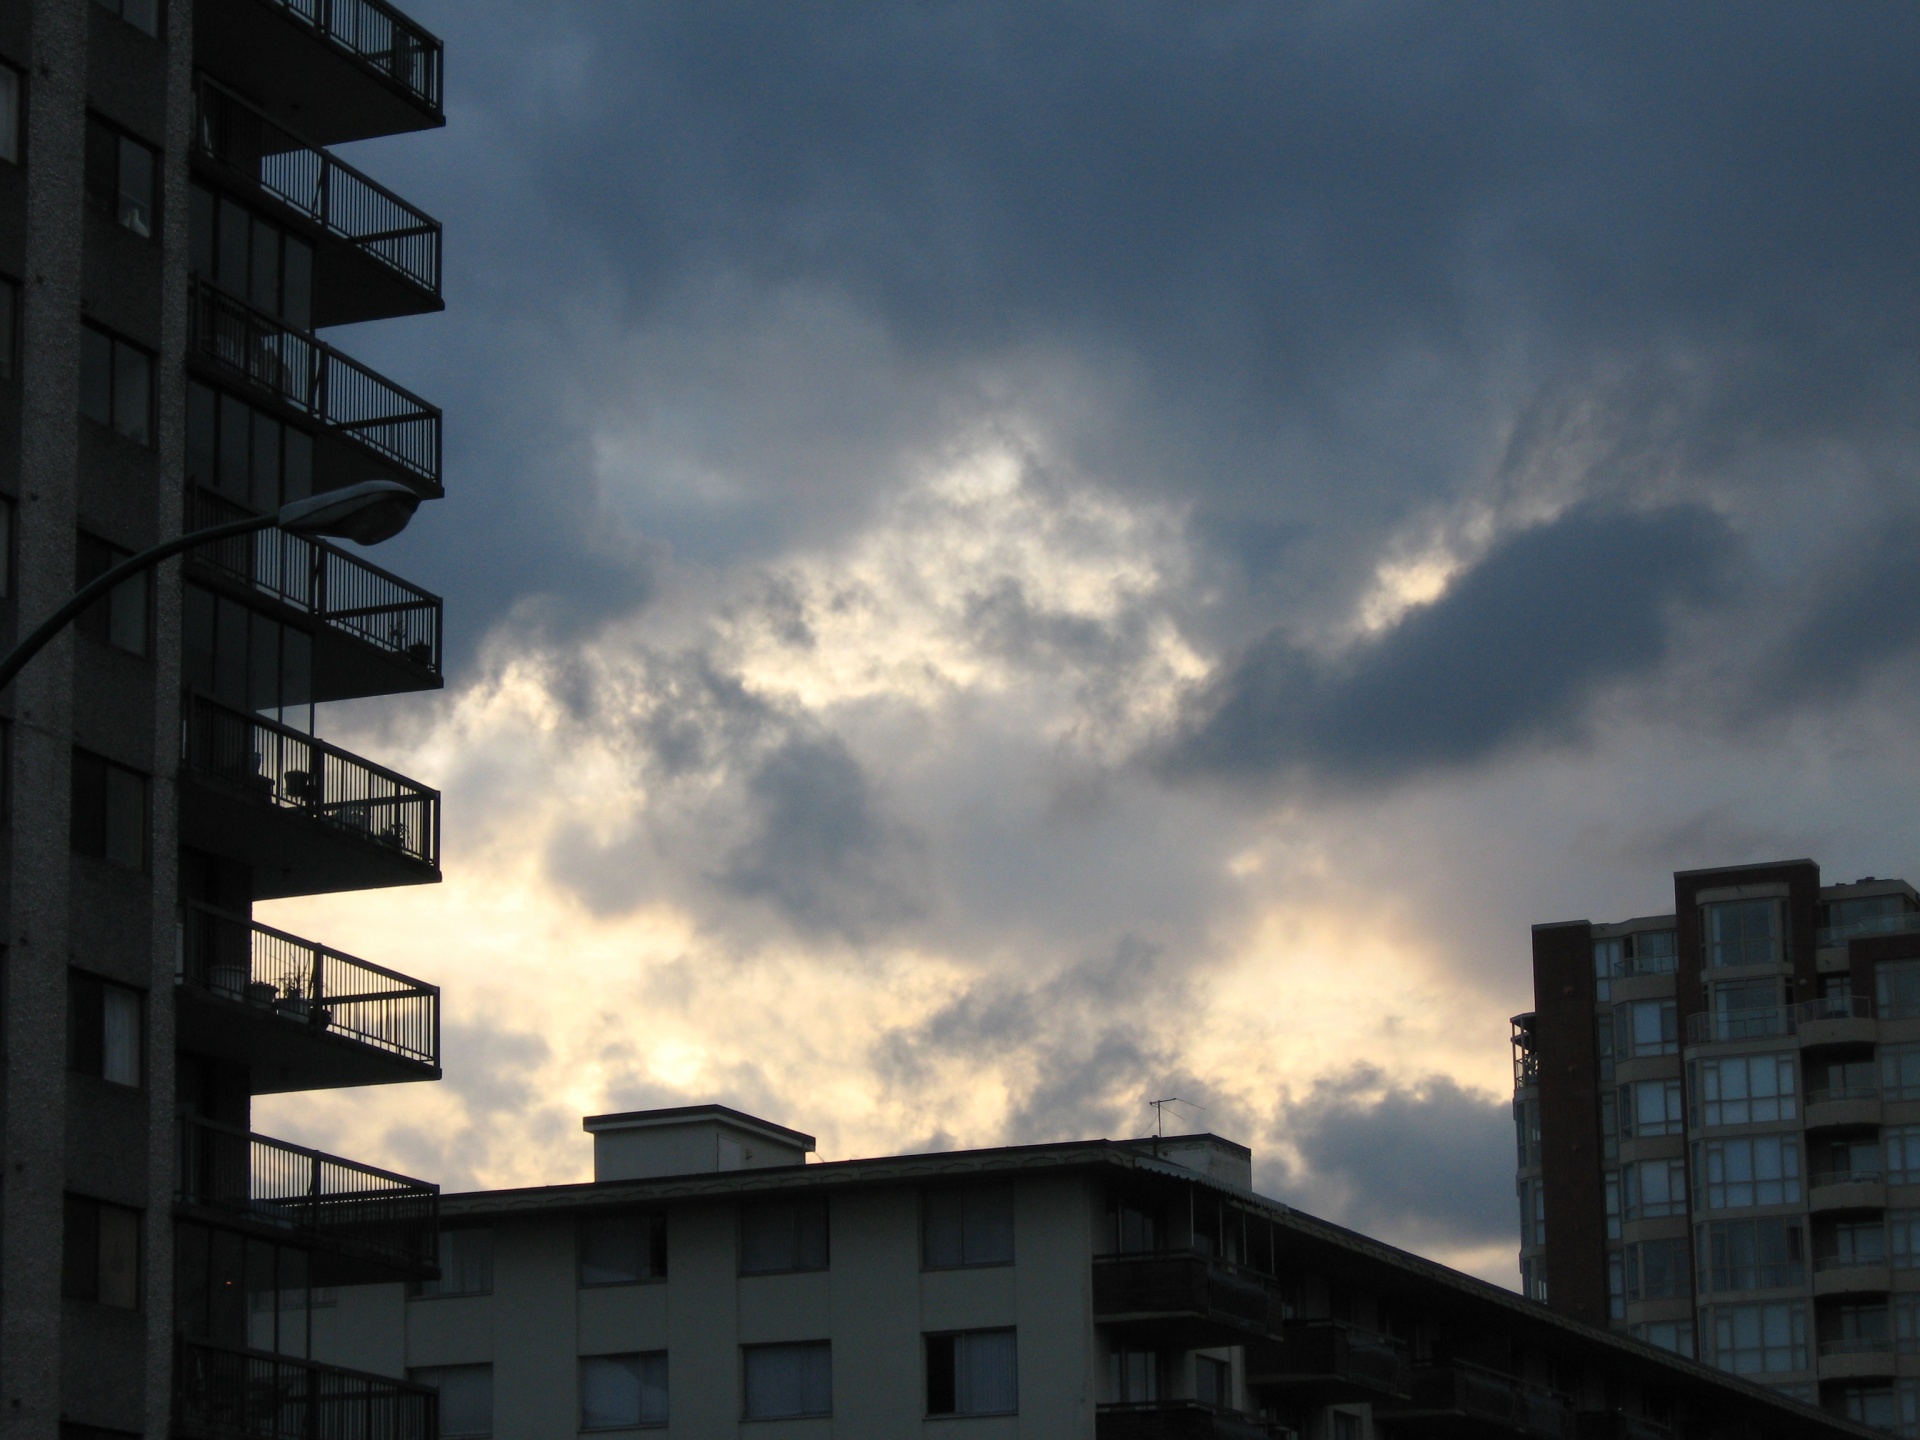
[1005,561]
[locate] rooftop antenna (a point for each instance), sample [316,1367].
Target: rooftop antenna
[1160,1113]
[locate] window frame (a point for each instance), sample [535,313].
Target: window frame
[17,120]
[797,1205]
[951,1341]
[966,1193]
[418,1289]
[104,128]
[642,1422]
[83,759]
[419,1374]
[117,343]
[98,620]
[118,9]
[88,1020]
[746,1378]
[84,1244]
[652,1250]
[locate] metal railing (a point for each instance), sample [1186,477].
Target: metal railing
[1824,1264]
[380,38]
[1487,1395]
[1183,1282]
[315,379]
[1833,1094]
[1174,1420]
[1846,1177]
[1833,1007]
[1756,1024]
[1858,1345]
[340,590]
[308,984]
[1903,922]
[232,1394]
[281,767]
[323,188]
[289,1187]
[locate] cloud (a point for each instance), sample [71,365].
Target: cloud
[1513,651]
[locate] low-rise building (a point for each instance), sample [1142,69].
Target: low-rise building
[711,1282]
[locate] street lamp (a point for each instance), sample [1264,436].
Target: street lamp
[372,511]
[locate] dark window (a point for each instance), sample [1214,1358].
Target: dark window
[963,1225]
[116,384]
[244,454]
[121,173]
[622,1249]
[1133,1375]
[109,811]
[618,1392]
[782,1381]
[466,1265]
[972,1372]
[251,257]
[244,658]
[466,1398]
[9,328]
[70,1431]
[1212,1381]
[777,1236]
[143,15]
[100,1253]
[104,1028]
[121,618]
[12,108]
[1134,1228]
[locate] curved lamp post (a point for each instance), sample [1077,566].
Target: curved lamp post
[372,511]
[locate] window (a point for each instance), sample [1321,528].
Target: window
[1608,962]
[1610,1185]
[1906,1322]
[1675,1336]
[1881,1407]
[103,1029]
[779,1236]
[1841,1080]
[1212,1381]
[466,1398]
[1767,1339]
[1533,1278]
[1896,985]
[120,176]
[116,384]
[1134,1375]
[1647,952]
[1654,1188]
[251,257]
[972,1373]
[12,92]
[244,658]
[1903,1238]
[1526,1129]
[243,453]
[1616,1285]
[120,619]
[1857,1326]
[1609,1126]
[237,1291]
[100,1253]
[1750,1254]
[618,1392]
[109,811]
[966,1225]
[1900,1071]
[1605,1048]
[1745,1089]
[788,1380]
[1747,1010]
[1646,1027]
[9,321]
[466,1265]
[622,1249]
[1743,932]
[1847,1161]
[1902,1144]
[1854,1242]
[143,15]
[1763,1170]
[1533,1212]
[1650,1107]
[1658,1270]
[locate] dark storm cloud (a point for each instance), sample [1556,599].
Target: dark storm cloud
[1432,1162]
[1511,652]
[1867,617]
[1299,251]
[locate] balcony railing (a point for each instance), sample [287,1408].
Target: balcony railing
[302,983]
[372,1213]
[1834,1094]
[1846,1177]
[1858,1345]
[1756,1024]
[1489,1397]
[1323,1353]
[379,37]
[325,189]
[1827,1263]
[1174,1420]
[1175,1286]
[1904,922]
[343,592]
[315,379]
[283,768]
[1833,1007]
[230,1394]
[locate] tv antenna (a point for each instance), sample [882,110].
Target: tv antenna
[1160,1113]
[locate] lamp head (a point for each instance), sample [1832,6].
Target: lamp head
[367,513]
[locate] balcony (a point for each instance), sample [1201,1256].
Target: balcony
[368,427]
[309,818]
[1465,1400]
[297,1015]
[1847,1190]
[1712,1026]
[1857,1358]
[373,633]
[1174,1420]
[1843,1107]
[386,257]
[1183,1300]
[368,1224]
[1829,937]
[1850,1275]
[230,1394]
[1329,1362]
[1835,1020]
[349,69]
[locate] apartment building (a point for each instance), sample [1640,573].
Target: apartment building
[710,1282]
[175,235]
[1718,1116]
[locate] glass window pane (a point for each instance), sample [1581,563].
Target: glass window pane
[142,15]
[466,1399]
[96,375]
[126,837]
[9,114]
[984,1373]
[296,306]
[612,1250]
[127,615]
[120,1035]
[9,327]
[609,1391]
[263,288]
[231,262]
[119,1280]
[132,392]
[788,1380]
[134,208]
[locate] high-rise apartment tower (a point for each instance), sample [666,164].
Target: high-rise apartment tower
[175,235]
[1719,1131]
